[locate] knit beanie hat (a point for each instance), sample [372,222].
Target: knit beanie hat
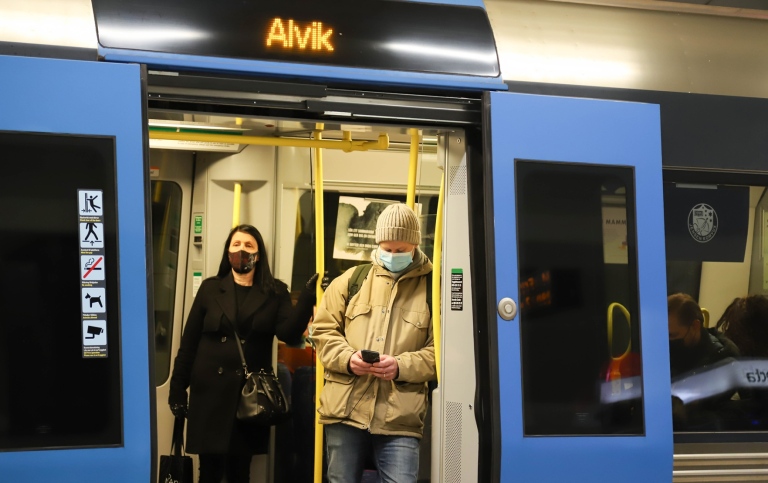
[398,223]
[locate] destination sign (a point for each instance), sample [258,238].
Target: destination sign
[377,34]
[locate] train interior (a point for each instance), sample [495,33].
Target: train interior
[200,189]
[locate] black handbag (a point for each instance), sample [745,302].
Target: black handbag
[176,467]
[262,400]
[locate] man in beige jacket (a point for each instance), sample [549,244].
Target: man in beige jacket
[378,406]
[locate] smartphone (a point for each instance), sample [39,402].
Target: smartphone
[370,356]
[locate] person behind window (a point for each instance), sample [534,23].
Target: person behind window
[243,294]
[693,349]
[745,322]
[380,405]
[691,345]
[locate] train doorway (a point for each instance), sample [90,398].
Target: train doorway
[214,164]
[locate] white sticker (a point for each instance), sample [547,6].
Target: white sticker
[197,280]
[92,267]
[93,300]
[91,235]
[95,332]
[90,202]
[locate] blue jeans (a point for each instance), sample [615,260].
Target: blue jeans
[396,457]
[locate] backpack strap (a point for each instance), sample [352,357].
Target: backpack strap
[361,272]
[357,279]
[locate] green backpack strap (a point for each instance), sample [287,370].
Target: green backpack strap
[357,279]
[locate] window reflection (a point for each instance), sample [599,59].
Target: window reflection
[166,223]
[580,331]
[718,325]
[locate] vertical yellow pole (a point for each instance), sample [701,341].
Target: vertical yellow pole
[437,267]
[236,205]
[320,269]
[410,198]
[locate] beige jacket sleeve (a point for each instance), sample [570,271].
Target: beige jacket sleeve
[328,327]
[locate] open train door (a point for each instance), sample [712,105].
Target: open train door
[75,401]
[584,392]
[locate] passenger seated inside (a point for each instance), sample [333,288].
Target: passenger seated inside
[693,349]
[745,322]
[691,345]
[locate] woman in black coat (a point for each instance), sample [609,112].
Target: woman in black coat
[243,293]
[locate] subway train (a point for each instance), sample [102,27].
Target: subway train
[573,164]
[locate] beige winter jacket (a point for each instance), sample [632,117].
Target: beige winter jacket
[388,316]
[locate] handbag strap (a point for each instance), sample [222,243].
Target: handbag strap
[240,349]
[177,441]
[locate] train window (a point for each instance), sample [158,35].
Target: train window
[60,383]
[166,223]
[580,330]
[718,310]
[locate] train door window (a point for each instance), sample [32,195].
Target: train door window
[579,323]
[166,223]
[60,383]
[717,247]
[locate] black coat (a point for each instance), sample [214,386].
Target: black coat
[208,362]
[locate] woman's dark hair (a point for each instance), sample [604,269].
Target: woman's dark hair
[262,275]
[685,308]
[745,322]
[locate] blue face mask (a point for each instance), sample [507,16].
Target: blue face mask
[395,262]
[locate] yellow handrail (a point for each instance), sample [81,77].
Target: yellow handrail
[236,205]
[320,269]
[410,197]
[437,264]
[346,145]
[705,314]
[610,330]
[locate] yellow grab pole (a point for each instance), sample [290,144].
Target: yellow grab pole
[437,266]
[320,269]
[346,145]
[410,198]
[236,205]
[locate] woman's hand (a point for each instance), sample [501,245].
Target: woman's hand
[312,282]
[179,410]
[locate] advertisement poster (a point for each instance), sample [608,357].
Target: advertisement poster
[356,227]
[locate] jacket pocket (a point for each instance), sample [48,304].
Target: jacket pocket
[356,310]
[334,400]
[407,406]
[419,320]
[415,331]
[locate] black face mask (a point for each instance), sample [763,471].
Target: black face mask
[680,354]
[242,261]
